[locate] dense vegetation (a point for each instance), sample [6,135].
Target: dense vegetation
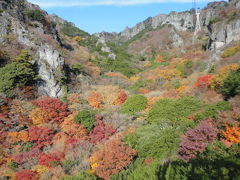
[169,114]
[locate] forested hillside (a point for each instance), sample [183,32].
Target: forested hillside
[154,102]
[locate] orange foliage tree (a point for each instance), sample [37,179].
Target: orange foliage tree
[232,134]
[95,100]
[111,159]
[74,130]
[18,136]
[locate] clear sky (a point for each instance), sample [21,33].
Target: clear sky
[112,15]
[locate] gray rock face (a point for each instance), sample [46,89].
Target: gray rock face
[181,21]
[223,32]
[102,41]
[50,65]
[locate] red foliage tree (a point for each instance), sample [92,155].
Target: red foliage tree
[30,157]
[112,158]
[121,98]
[51,160]
[41,135]
[101,131]
[195,140]
[26,175]
[203,81]
[54,109]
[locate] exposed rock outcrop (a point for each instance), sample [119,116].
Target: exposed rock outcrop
[50,65]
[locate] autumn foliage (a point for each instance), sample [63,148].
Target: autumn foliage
[95,100]
[195,140]
[111,159]
[203,81]
[37,116]
[41,135]
[51,160]
[18,136]
[74,130]
[232,134]
[121,98]
[100,132]
[26,175]
[54,110]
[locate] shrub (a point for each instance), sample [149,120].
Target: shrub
[24,56]
[121,98]
[216,161]
[15,75]
[54,109]
[170,111]
[74,130]
[218,79]
[27,146]
[139,170]
[100,132]
[26,175]
[203,81]
[41,135]
[80,176]
[39,169]
[134,104]
[70,30]
[140,84]
[37,116]
[195,140]
[86,118]
[232,134]
[77,68]
[111,159]
[95,100]
[51,160]
[231,86]
[69,164]
[35,15]
[154,141]
[27,159]
[231,51]
[212,110]
[12,165]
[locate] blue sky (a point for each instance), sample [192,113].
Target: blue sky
[112,15]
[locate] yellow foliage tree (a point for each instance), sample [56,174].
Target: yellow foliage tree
[217,80]
[37,116]
[39,169]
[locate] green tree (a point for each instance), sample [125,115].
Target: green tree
[86,118]
[134,104]
[231,85]
[24,56]
[35,15]
[170,111]
[15,75]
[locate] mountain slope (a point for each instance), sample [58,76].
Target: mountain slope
[153,102]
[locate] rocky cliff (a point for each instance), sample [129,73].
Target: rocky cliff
[30,35]
[219,19]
